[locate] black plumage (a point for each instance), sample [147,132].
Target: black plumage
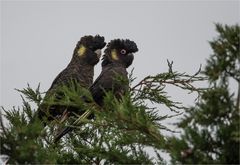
[80,69]
[118,56]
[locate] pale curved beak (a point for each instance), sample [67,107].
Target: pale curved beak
[98,52]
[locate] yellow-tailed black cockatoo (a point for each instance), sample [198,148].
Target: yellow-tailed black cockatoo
[117,57]
[80,69]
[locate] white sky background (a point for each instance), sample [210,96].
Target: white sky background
[38,38]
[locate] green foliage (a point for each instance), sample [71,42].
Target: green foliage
[119,134]
[23,138]
[153,88]
[225,62]
[122,130]
[211,128]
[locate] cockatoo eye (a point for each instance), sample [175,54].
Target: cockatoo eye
[123,51]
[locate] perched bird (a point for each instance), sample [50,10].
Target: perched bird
[80,69]
[117,57]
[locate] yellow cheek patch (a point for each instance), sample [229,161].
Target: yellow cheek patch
[114,54]
[81,50]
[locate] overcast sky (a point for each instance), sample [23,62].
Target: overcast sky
[38,38]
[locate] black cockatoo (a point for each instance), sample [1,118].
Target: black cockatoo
[80,69]
[117,57]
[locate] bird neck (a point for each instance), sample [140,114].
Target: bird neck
[84,71]
[114,66]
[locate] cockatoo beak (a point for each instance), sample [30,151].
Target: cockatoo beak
[98,52]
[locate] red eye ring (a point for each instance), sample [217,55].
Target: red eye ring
[123,51]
